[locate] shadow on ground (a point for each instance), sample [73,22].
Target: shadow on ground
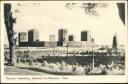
[46,71]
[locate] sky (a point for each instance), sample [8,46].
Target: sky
[49,17]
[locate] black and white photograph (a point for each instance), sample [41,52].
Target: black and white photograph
[64,38]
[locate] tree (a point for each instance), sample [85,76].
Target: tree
[9,21]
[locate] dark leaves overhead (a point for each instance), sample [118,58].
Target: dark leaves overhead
[89,8]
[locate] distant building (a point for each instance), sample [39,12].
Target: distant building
[33,35]
[31,39]
[62,35]
[85,35]
[32,44]
[115,43]
[71,38]
[23,37]
[52,38]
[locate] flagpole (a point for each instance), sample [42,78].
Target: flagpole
[67,48]
[93,59]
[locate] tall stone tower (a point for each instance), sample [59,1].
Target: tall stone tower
[115,42]
[33,35]
[62,35]
[23,37]
[71,38]
[52,38]
[85,35]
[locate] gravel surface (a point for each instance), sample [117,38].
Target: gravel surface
[11,70]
